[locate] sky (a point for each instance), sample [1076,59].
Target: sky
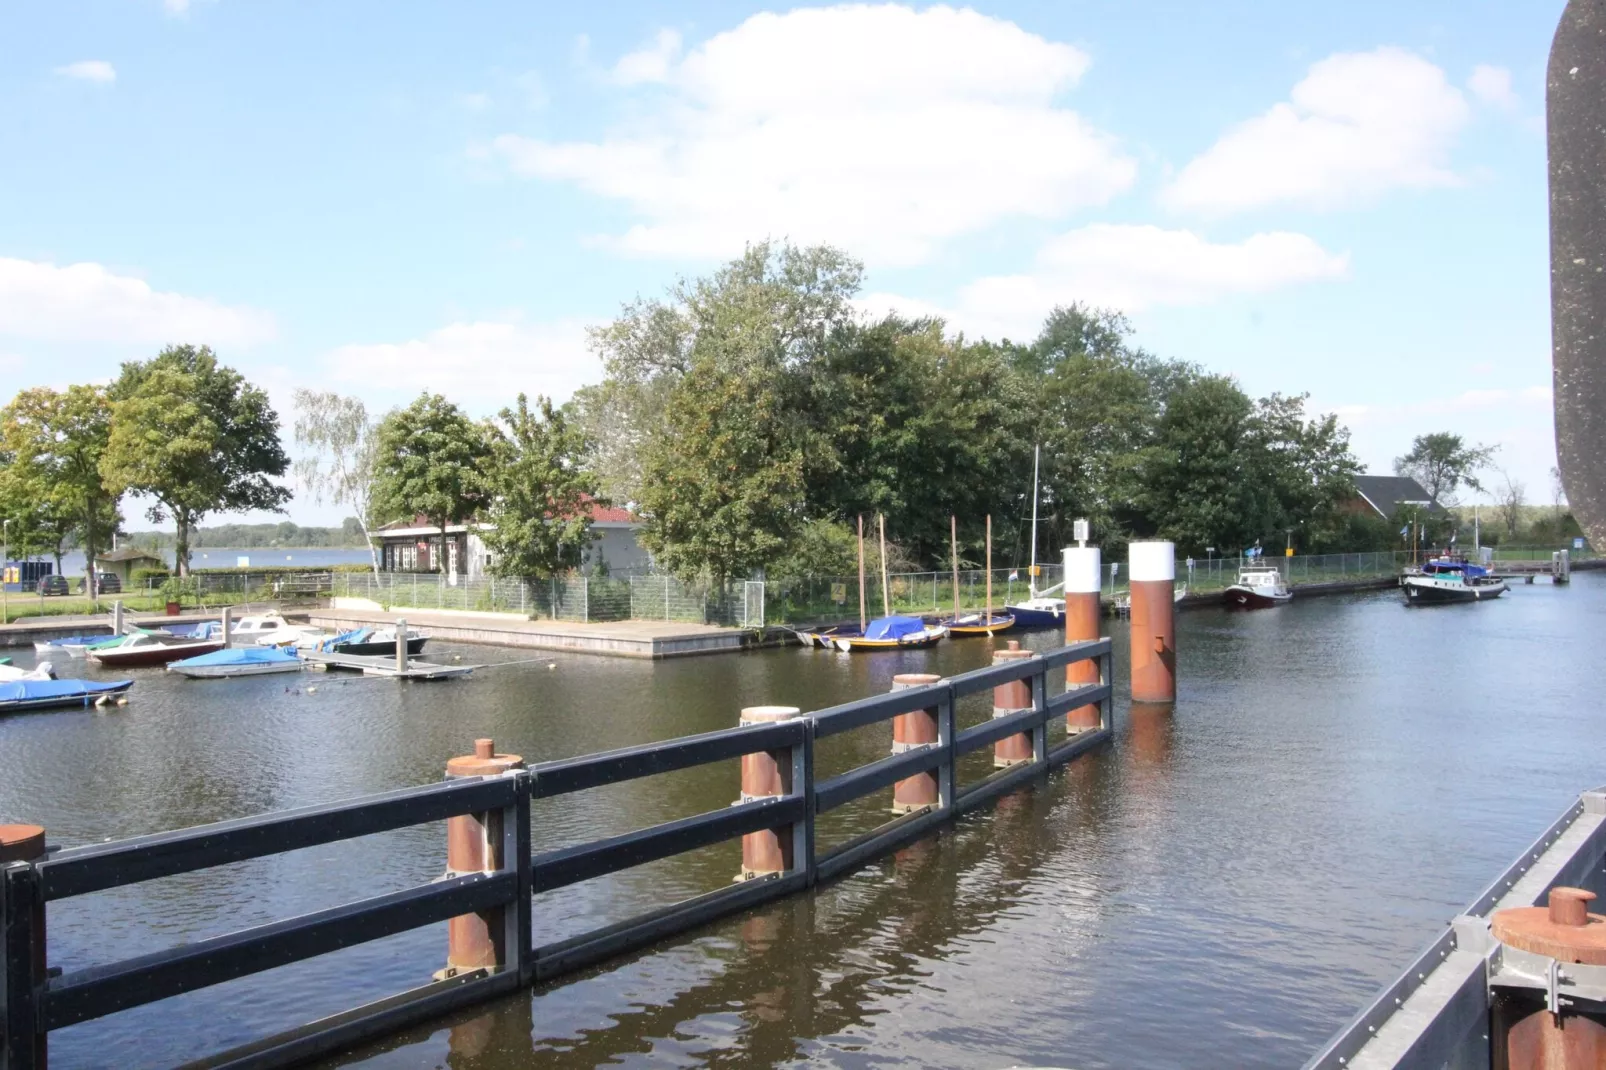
[381,198]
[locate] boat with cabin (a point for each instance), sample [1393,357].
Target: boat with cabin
[237,661]
[151,648]
[1444,580]
[892,633]
[1258,587]
[374,641]
[1039,609]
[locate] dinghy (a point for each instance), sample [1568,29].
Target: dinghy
[893,633]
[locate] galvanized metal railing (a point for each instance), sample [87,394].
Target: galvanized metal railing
[34,1000]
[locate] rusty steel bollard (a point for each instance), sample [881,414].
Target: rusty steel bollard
[1153,569]
[909,730]
[26,843]
[766,774]
[1524,1031]
[1012,698]
[474,845]
[1083,573]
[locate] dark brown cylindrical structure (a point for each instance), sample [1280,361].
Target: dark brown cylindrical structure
[1083,572]
[1012,698]
[1152,567]
[765,774]
[474,845]
[914,730]
[1526,1035]
[26,843]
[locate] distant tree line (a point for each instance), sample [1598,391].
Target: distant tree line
[251,536]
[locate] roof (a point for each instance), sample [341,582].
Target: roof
[130,553]
[1386,494]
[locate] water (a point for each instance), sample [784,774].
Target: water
[1223,886]
[72,564]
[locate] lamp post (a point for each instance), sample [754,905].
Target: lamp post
[5,571]
[1210,560]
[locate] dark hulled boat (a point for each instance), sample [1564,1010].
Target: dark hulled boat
[1448,580]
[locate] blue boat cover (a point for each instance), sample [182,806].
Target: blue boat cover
[29,690]
[1466,568]
[894,627]
[356,635]
[248,655]
[75,640]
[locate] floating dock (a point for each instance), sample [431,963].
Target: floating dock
[624,638]
[384,665]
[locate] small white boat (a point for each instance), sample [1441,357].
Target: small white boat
[72,646]
[237,661]
[248,631]
[1258,586]
[43,671]
[299,636]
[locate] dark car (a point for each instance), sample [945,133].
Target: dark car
[106,581]
[52,584]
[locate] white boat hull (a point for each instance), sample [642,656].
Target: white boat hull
[213,672]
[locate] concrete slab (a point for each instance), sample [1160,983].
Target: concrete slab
[625,638]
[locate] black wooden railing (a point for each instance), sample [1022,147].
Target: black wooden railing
[35,1000]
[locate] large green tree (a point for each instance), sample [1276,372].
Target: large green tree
[196,437]
[1443,462]
[55,440]
[541,491]
[430,461]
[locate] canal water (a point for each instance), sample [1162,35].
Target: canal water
[1222,886]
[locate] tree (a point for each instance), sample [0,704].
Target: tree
[56,440]
[1442,462]
[541,492]
[1512,497]
[197,437]
[430,461]
[339,440]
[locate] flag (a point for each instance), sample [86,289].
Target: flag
[1014,574]
[1406,530]
[1453,534]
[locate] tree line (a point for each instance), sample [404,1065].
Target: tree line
[749,417]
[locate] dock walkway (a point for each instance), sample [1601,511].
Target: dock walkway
[381,665]
[624,638]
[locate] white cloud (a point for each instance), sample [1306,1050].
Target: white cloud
[880,128]
[89,70]
[88,303]
[176,7]
[1130,268]
[484,363]
[1492,85]
[649,64]
[1358,125]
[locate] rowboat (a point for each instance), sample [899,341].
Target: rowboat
[978,624]
[892,633]
[151,649]
[967,624]
[822,637]
[18,695]
[237,661]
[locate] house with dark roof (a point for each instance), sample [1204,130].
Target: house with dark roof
[415,545]
[122,563]
[1385,496]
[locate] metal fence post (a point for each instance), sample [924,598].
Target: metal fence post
[517,938]
[23,1047]
[803,785]
[947,779]
[1107,703]
[1040,704]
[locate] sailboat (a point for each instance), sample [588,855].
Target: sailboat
[1039,610]
[888,632]
[986,623]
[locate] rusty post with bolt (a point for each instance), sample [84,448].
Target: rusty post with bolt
[1012,698]
[766,774]
[474,845]
[910,730]
[1083,573]
[1152,568]
[1525,1033]
[22,945]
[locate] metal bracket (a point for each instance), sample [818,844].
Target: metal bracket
[1564,984]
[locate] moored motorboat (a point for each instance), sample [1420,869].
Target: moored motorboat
[71,646]
[374,641]
[237,661]
[892,633]
[250,630]
[151,649]
[1442,581]
[1258,587]
[18,695]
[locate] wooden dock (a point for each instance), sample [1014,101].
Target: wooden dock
[383,665]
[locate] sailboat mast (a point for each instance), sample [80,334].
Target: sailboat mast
[988,619]
[1031,572]
[863,622]
[953,541]
[886,597]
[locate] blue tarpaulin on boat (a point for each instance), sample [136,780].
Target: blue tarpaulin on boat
[356,635]
[894,627]
[32,690]
[249,655]
[81,640]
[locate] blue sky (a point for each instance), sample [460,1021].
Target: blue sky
[1346,200]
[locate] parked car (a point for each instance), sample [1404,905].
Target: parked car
[53,584]
[107,582]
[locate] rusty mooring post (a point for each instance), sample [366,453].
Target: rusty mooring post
[401,646]
[1153,570]
[1012,698]
[1526,1033]
[1083,572]
[474,845]
[909,730]
[22,947]
[766,774]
